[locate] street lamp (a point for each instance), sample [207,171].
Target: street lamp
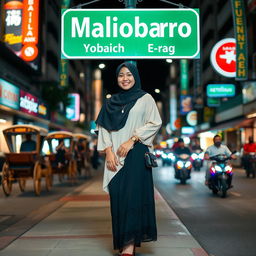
[102,65]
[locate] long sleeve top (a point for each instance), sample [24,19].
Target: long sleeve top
[143,122]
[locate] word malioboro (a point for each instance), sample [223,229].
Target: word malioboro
[112,28]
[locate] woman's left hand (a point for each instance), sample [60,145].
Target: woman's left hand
[125,148]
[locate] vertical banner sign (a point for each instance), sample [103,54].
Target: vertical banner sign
[13,11]
[184,76]
[63,72]
[29,50]
[73,109]
[198,88]
[173,106]
[240,28]
[21,29]
[63,65]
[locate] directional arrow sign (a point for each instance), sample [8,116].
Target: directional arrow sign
[130,33]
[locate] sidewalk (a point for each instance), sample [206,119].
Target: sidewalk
[82,227]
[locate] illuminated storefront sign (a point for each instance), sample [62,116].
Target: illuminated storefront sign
[32,105]
[13,11]
[28,103]
[187,130]
[239,17]
[221,90]
[9,94]
[223,57]
[185,104]
[21,29]
[192,118]
[249,91]
[130,33]
[73,110]
[213,102]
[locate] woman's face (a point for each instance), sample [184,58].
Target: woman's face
[125,79]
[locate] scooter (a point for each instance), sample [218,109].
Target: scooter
[183,168]
[197,160]
[221,175]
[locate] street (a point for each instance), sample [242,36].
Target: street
[223,227]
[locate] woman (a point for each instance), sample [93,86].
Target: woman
[127,125]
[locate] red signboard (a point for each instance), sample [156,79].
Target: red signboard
[223,57]
[30,30]
[28,103]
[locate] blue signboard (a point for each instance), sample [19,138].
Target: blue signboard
[185,104]
[9,94]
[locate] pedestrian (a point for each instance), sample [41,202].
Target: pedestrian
[94,154]
[127,125]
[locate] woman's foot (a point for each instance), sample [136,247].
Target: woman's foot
[128,250]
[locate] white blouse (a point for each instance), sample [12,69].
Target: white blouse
[143,122]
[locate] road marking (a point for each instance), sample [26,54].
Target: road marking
[235,194]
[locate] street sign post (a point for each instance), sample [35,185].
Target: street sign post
[130,33]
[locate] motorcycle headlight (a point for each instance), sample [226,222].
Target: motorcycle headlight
[171,156]
[188,164]
[164,156]
[194,156]
[228,169]
[218,168]
[180,164]
[201,155]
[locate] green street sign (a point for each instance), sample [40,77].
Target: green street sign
[220,90]
[130,33]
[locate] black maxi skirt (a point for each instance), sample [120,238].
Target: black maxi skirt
[132,201]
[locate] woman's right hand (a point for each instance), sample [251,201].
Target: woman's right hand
[111,160]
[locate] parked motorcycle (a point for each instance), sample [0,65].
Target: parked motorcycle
[250,167]
[183,168]
[197,159]
[221,175]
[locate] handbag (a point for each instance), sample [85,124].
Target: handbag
[150,160]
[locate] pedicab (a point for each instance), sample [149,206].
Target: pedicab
[25,159]
[82,153]
[61,155]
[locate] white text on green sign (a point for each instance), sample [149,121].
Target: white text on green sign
[129,33]
[221,90]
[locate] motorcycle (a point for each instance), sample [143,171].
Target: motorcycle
[183,168]
[197,159]
[167,158]
[221,175]
[250,167]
